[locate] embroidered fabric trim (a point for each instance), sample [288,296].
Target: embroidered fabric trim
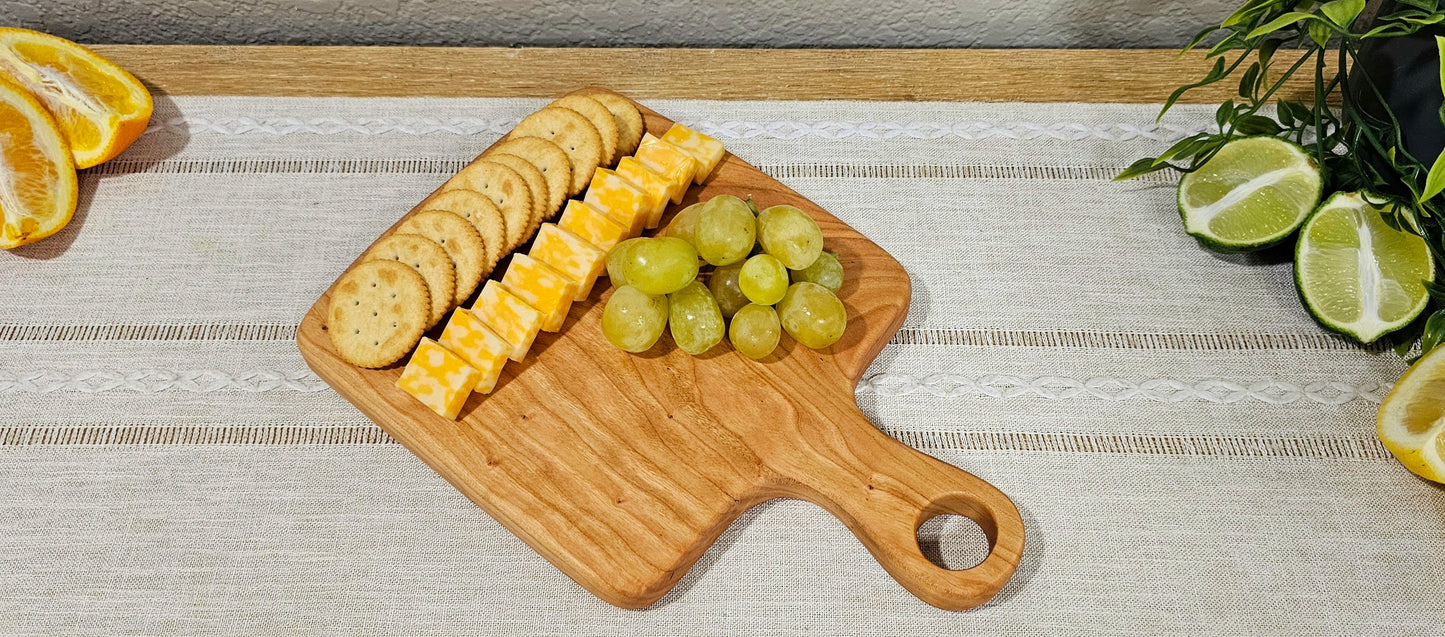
[1214,390]
[727,129]
[445,166]
[93,381]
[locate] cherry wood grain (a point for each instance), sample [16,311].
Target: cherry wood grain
[623,469]
[977,75]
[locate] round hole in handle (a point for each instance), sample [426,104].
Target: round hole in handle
[953,542]
[956,533]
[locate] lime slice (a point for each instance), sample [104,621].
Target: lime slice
[1358,275]
[1411,422]
[1251,195]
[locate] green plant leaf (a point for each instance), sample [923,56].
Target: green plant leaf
[1433,19]
[1198,37]
[1428,5]
[1321,32]
[1343,12]
[1229,43]
[1247,81]
[1434,333]
[1215,74]
[1139,168]
[1256,125]
[1248,12]
[1224,114]
[1266,53]
[1383,31]
[1435,181]
[1280,23]
[1436,290]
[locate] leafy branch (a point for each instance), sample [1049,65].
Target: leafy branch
[1358,149]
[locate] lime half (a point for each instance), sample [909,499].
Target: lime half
[1358,275]
[1251,195]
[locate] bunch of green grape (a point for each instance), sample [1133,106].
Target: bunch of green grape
[765,272]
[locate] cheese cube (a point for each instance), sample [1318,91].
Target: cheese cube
[542,287]
[438,378]
[706,150]
[468,337]
[619,199]
[569,254]
[650,183]
[594,226]
[509,316]
[677,167]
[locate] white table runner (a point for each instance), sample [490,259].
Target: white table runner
[1189,450]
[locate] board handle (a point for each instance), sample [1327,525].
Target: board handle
[905,488]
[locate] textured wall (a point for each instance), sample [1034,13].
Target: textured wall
[779,23]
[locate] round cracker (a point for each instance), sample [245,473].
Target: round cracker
[378,312]
[429,260]
[484,215]
[461,241]
[629,121]
[505,188]
[548,158]
[600,117]
[573,133]
[536,184]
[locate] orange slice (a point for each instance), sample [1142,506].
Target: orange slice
[37,175]
[100,108]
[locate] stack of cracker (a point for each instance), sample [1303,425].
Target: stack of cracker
[435,260]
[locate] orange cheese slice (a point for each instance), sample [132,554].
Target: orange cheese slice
[468,337]
[594,226]
[542,287]
[706,150]
[650,183]
[509,316]
[677,167]
[571,255]
[438,378]
[619,199]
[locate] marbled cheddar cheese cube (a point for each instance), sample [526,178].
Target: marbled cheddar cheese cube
[619,199]
[650,183]
[438,378]
[706,150]
[571,255]
[509,316]
[468,337]
[593,225]
[542,287]
[677,167]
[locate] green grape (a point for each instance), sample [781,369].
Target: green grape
[660,266]
[682,223]
[633,320]
[724,288]
[812,315]
[617,257]
[694,318]
[763,279]
[754,331]
[826,271]
[790,235]
[725,230]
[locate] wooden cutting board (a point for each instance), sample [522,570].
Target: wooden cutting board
[622,469]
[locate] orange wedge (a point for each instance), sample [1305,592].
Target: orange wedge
[37,175]
[100,108]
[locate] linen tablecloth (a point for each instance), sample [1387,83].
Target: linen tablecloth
[1188,449]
